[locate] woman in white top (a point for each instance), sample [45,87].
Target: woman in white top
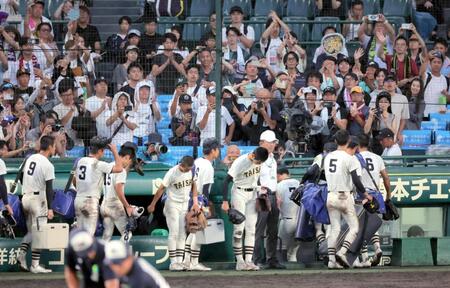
[121,112]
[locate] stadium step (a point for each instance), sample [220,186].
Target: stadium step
[441,250]
[415,251]
[122,3]
[118,11]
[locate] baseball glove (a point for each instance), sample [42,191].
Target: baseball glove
[372,206]
[195,221]
[297,195]
[391,213]
[235,216]
[263,203]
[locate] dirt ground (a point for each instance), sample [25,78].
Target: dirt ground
[387,278]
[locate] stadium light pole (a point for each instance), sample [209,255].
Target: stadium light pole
[218,69]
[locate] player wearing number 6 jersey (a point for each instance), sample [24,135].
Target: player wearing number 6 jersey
[115,208]
[342,171]
[89,179]
[37,191]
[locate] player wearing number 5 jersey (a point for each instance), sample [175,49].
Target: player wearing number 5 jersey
[342,171]
[37,191]
[89,179]
[115,208]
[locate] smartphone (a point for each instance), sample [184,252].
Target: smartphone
[406,26]
[128,108]
[373,17]
[33,41]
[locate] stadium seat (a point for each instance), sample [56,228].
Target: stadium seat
[258,27]
[201,8]
[371,7]
[75,152]
[164,123]
[433,125]
[401,8]
[416,139]
[440,117]
[300,8]
[194,31]
[301,29]
[175,153]
[396,22]
[246,6]
[165,23]
[318,27]
[164,98]
[263,7]
[442,137]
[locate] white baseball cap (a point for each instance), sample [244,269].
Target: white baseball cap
[229,89]
[116,252]
[268,136]
[81,242]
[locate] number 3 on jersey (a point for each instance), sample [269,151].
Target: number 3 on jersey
[82,175]
[332,168]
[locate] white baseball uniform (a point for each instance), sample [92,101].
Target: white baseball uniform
[243,198]
[90,174]
[112,209]
[37,171]
[338,167]
[288,216]
[203,175]
[178,186]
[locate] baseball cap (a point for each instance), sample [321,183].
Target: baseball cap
[82,242]
[282,73]
[436,54]
[180,81]
[390,77]
[236,9]
[229,89]
[268,136]
[37,2]
[356,89]
[329,89]
[131,48]
[134,32]
[373,64]
[21,72]
[185,99]
[100,79]
[116,252]
[211,144]
[211,90]
[330,147]
[385,133]
[6,86]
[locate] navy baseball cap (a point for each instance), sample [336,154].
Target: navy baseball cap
[116,252]
[329,89]
[100,79]
[181,81]
[236,9]
[185,99]
[390,77]
[6,86]
[385,133]
[82,242]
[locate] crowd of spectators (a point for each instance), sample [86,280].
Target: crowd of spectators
[392,81]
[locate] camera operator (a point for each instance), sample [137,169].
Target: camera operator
[121,119]
[154,147]
[262,115]
[333,114]
[185,132]
[67,109]
[314,107]
[236,110]
[37,103]
[48,126]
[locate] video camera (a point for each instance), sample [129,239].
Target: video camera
[298,121]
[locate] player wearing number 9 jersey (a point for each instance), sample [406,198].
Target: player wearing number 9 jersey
[89,180]
[342,171]
[37,191]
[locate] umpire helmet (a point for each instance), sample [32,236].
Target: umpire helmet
[235,216]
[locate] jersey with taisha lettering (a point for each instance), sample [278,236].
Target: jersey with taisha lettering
[178,184]
[288,208]
[37,170]
[90,176]
[338,167]
[244,172]
[110,182]
[375,165]
[204,173]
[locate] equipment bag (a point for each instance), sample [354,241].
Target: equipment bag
[63,203]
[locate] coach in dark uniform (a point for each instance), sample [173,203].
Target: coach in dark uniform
[133,272]
[87,254]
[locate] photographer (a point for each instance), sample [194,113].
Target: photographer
[121,119]
[333,114]
[147,111]
[381,116]
[262,115]
[314,107]
[67,109]
[236,110]
[185,133]
[207,116]
[48,126]
[37,103]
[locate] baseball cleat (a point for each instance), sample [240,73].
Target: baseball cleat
[252,266]
[22,261]
[334,265]
[342,260]
[199,267]
[377,258]
[359,264]
[39,270]
[187,266]
[241,266]
[176,267]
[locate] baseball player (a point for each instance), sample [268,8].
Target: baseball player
[89,180]
[179,183]
[3,188]
[342,171]
[132,272]
[37,191]
[244,173]
[268,219]
[375,165]
[204,178]
[115,208]
[288,211]
[86,254]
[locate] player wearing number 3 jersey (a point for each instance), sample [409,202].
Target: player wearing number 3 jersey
[89,179]
[37,191]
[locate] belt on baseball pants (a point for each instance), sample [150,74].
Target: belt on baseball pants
[287,218]
[246,189]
